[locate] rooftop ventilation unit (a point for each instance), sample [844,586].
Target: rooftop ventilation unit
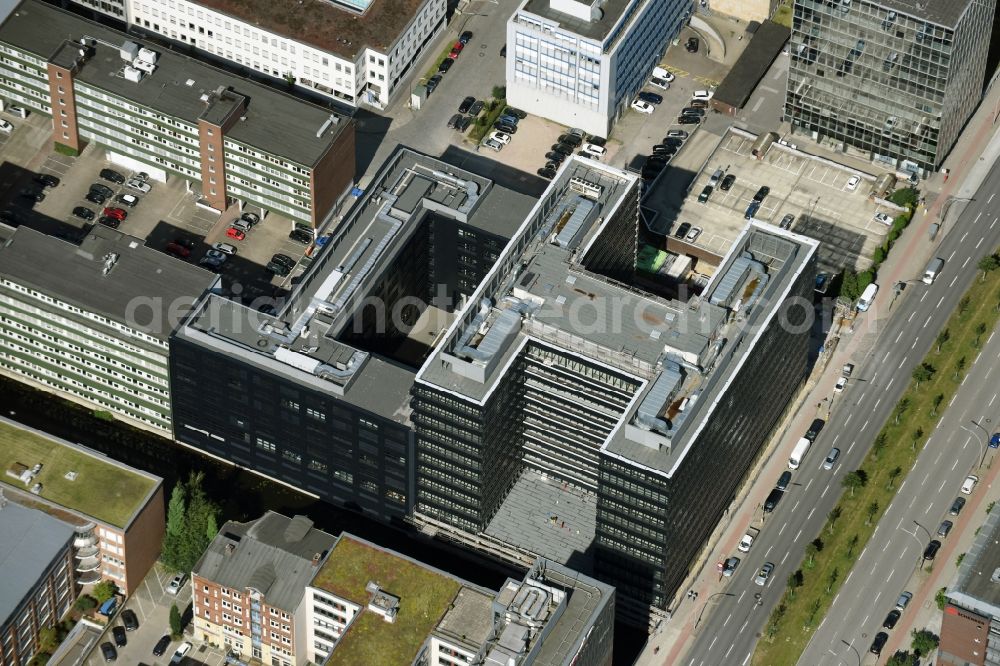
[147,55]
[110,260]
[585,187]
[129,51]
[132,74]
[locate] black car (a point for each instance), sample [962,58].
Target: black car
[672,141]
[698,104]
[692,111]
[944,529]
[571,140]
[109,651]
[301,236]
[33,195]
[676,134]
[553,156]
[466,104]
[103,190]
[692,45]
[445,65]
[506,128]
[656,159]
[772,500]
[751,210]
[119,634]
[879,642]
[465,37]
[547,173]
[597,141]
[454,121]
[891,619]
[464,123]
[651,97]
[130,620]
[83,213]
[96,197]
[252,218]
[284,260]
[727,182]
[930,552]
[46,180]
[786,221]
[649,173]
[664,149]
[8,217]
[682,230]
[517,113]
[814,429]
[161,646]
[476,107]
[563,149]
[761,193]
[432,83]
[688,120]
[278,269]
[784,480]
[552,165]
[112,176]
[110,222]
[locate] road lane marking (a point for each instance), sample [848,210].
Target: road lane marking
[990,200]
[890,383]
[768,551]
[862,398]
[834,441]
[940,302]
[956,461]
[749,654]
[713,643]
[782,528]
[741,597]
[913,346]
[992,399]
[901,333]
[784,558]
[885,357]
[853,443]
[734,644]
[928,320]
[966,262]
[848,419]
[863,427]
[848,579]
[980,242]
[796,506]
[795,540]
[951,256]
[964,235]
[911,317]
[875,376]
[993,222]
[990,339]
[923,296]
[876,404]
[824,491]
[727,620]
[932,504]
[810,513]
[886,546]
[927,476]
[807,485]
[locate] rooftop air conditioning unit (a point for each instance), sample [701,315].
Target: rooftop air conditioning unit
[132,74]
[585,187]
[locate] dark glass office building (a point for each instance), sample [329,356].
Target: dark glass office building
[892,80]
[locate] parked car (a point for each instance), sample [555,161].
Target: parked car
[702,95]
[284,260]
[784,480]
[118,633]
[930,552]
[676,134]
[657,82]
[698,104]
[651,97]
[814,429]
[433,83]
[840,385]
[903,601]
[236,234]
[563,148]
[465,37]
[46,180]
[83,213]
[161,646]
[178,657]
[727,183]
[664,149]
[995,441]
[730,566]
[571,140]
[831,458]
[682,230]
[109,652]
[117,213]
[762,193]
[174,586]
[112,176]
[554,156]
[177,250]
[786,221]
[466,104]
[879,642]
[96,197]
[110,222]
[944,529]
[751,210]
[129,200]
[500,137]
[225,248]
[692,235]
[956,506]
[883,218]
[642,107]
[215,256]
[445,65]
[280,270]
[517,113]
[6,127]
[891,619]
[596,151]
[969,483]
[476,107]
[547,172]
[36,196]
[454,120]
[252,218]
[464,123]
[505,127]
[693,111]
[456,50]
[508,120]
[103,190]
[853,182]
[764,573]
[493,144]
[688,120]
[301,236]
[692,45]
[138,184]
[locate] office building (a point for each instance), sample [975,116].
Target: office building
[316,395]
[970,624]
[892,81]
[91,322]
[116,512]
[582,63]
[352,51]
[562,385]
[278,590]
[36,589]
[168,115]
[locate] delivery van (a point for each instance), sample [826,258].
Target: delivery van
[932,270]
[867,297]
[798,453]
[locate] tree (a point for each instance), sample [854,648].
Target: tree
[901,407]
[795,581]
[192,523]
[48,639]
[176,628]
[878,256]
[872,510]
[811,551]
[980,330]
[893,475]
[963,305]
[938,399]
[905,197]
[852,481]
[776,616]
[940,599]
[988,264]
[959,368]
[851,545]
[833,517]
[832,579]
[900,659]
[85,603]
[104,591]
[918,434]
[211,527]
[499,92]
[849,285]
[176,510]
[879,444]
[923,373]
[942,339]
[924,641]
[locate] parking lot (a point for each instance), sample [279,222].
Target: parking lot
[814,190]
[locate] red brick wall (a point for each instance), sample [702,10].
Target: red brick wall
[964,635]
[64,128]
[333,174]
[144,539]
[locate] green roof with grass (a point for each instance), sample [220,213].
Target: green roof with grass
[425,596]
[102,488]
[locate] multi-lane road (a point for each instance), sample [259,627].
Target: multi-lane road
[734,619]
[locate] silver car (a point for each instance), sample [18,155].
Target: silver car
[831,459]
[764,573]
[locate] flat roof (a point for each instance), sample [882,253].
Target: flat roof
[31,541]
[146,289]
[943,12]
[752,65]
[610,12]
[976,585]
[425,596]
[301,341]
[273,122]
[273,554]
[327,24]
[74,478]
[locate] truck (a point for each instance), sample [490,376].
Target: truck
[798,453]
[747,539]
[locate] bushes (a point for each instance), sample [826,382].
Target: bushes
[85,603]
[907,196]
[104,591]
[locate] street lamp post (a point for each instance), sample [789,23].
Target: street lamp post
[856,653]
[705,605]
[982,442]
[920,553]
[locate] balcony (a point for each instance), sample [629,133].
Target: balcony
[84,539]
[89,578]
[87,551]
[88,564]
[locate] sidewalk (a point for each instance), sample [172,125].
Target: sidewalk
[968,164]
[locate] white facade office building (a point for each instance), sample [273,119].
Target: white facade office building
[353,51]
[581,63]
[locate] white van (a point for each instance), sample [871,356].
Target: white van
[932,270]
[798,453]
[867,297]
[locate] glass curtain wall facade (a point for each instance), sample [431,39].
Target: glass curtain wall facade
[895,86]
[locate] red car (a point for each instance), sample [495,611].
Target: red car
[177,250]
[238,234]
[456,49]
[117,213]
